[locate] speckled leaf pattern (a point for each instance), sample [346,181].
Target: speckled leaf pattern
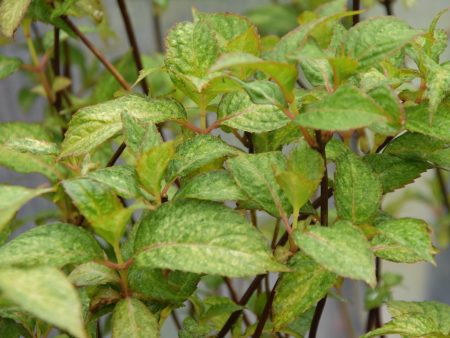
[394,172]
[438,86]
[347,108]
[11,14]
[342,249]
[405,240]
[92,273]
[33,146]
[418,120]
[12,198]
[174,288]
[55,245]
[213,186]
[299,290]
[202,237]
[196,152]
[376,39]
[255,175]
[8,65]
[93,125]
[46,293]
[238,111]
[139,136]
[122,179]
[26,162]
[416,319]
[358,190]
[152,165]
[132,319]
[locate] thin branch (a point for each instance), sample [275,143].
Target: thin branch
[157,31]
[116,155]
[443,189]
[176,320]
[56,65]
[133,43]
[235,298]
[356,6]
[265,314]
[98,54]
[388,6]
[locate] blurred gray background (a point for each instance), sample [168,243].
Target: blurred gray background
[421,281]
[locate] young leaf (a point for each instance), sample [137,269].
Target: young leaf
[100,206]
[11,14]
[342,249]
[33,146]
[12,198]
[238,111]
[132,319]
[152,165]
[202,237]
[122,179]
[212,186]
[93,125]
[357,190]
[438,86]
[347,108]
[255,175]
[394,172]
[299,290]
[417,120]
[304,172]
[92,273]
[405,240]
[377,38]
[47,294]
[55,245]
[139,136]
[174,287]
[8,65]
[196,152]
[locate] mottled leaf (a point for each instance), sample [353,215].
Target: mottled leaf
[92,273]
[11,14]
[405,240]
[122,179]
[347,108]
[299,290]
[417,120]
[55,245]
[33,146]
[255,175]
[202,237]
[358,190]
[132,319]
[212,186]
[47,294]
[342,249]
[139,136]
[196,152]
[93,125]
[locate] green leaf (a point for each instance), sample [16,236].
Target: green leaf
[347,108]
[197,152]
[282,73]
[92,273]
[255,175]
[57,245]
[416,319]
[132,319]
[27,162]
[202,237]
[357,190]
[212,186]
[139,136]
[342,249]
[234,33]
[10,329]
[100,206]
[299,290]
[93,125]
[122,179]
[394,172]
[11,14]
[417,120]
[12,198]
[47,294]
[304,172]
[8,65]
[33,146]
[238,111]
[438,86]
[152,165]
[272,18]
[174,287]
[405,240]
[376,39]
[387,99]
[276,139]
